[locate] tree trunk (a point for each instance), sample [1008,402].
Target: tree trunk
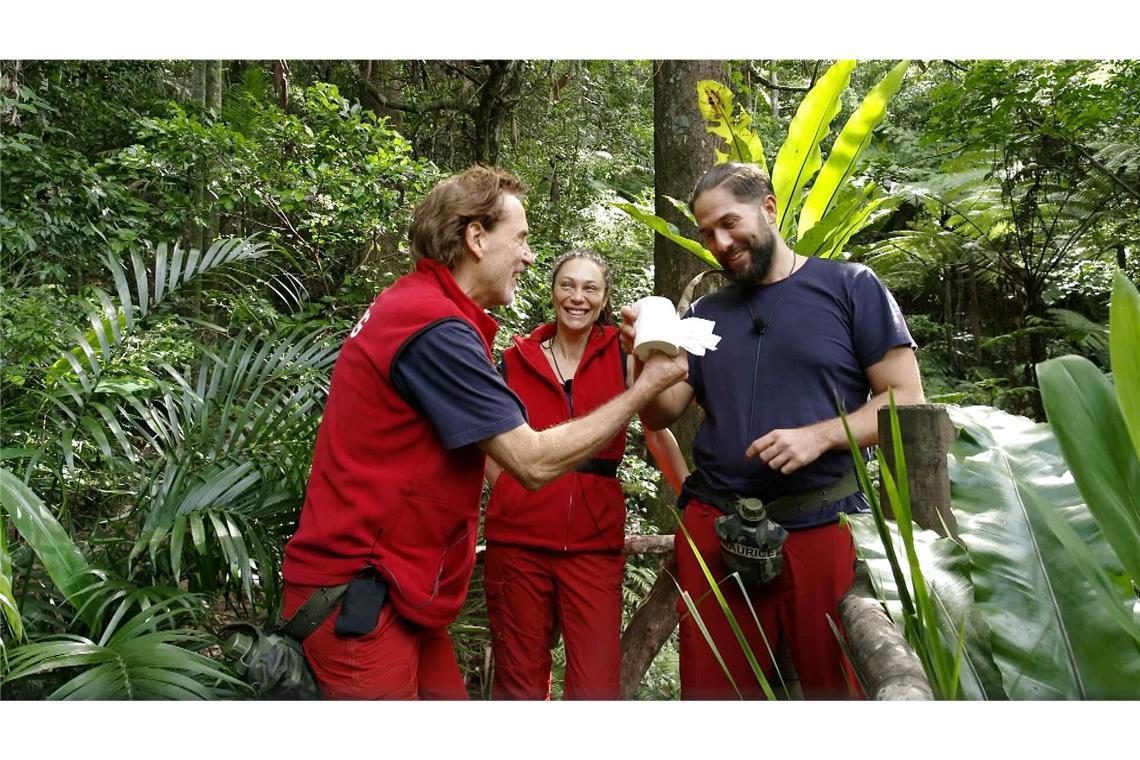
[383,75]
[975,317]
[215,84]
[649,629]
[682,151]
[281,84]
[887,666]
[497,96]
[199,86]
[927,435]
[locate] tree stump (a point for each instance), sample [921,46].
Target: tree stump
[927,434]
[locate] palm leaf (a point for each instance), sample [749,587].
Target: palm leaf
[800,157]
[134,665]
[59,555]
[111,324]
[848,148]
[1089,336]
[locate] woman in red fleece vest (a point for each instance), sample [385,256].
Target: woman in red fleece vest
[555,556]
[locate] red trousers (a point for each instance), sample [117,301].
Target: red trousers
[529,592]
[818,570]
[397,660]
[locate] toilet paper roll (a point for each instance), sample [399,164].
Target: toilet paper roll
[658,328]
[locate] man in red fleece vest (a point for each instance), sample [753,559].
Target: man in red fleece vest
[414,407]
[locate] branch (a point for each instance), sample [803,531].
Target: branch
[888,666]
[1085,153]
[398,105]
[637,544]
[772,85]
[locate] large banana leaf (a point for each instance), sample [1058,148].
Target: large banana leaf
[669,231]
[848,147]
[1086,419]
[1124,346]
[947,570]
[1053,637]
[799,157]
[59,555]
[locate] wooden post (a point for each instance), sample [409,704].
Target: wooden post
[926,436]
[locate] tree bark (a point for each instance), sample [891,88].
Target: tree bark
[888,667]
[199,87]
[281,83]
[215,85]
[682,151]
[649,544]
[927,434]
[650,628]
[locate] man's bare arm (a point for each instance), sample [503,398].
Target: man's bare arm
[787,450]
[663,410]
[537,457]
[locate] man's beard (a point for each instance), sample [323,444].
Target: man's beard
[762,251]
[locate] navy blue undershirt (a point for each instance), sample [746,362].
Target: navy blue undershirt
[444,373]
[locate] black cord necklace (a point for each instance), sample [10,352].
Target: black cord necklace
[553,358]
[759,324]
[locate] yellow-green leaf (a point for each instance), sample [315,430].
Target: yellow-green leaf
[799,157]
[849,145]
[670,232]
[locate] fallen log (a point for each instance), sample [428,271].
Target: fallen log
[649,544]
[650,627]
[887,666]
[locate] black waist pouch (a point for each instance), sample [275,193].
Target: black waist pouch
[360,608]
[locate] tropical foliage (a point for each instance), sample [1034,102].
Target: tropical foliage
[835,208]
[1042,587]
[186,242]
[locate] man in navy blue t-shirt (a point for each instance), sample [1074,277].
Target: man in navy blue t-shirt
[800,337]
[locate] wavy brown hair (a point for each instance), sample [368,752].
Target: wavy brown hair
[439,223]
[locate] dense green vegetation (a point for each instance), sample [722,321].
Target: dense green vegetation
[186,244]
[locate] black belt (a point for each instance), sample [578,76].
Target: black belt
[607,468]
[791,505]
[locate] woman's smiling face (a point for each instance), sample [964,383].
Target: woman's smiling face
[579,294]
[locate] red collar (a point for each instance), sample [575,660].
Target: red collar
[530,347]
[483,321]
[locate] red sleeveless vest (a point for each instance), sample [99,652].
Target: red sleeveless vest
[578,511]
[383,491]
